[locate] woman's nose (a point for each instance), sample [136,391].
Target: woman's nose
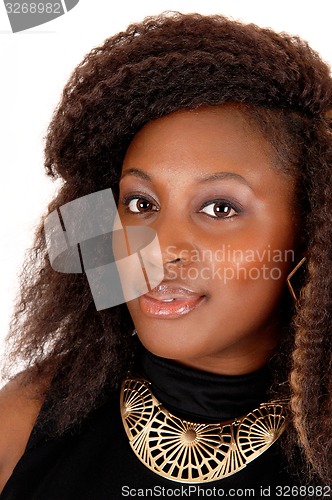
[180,253]
[176,241]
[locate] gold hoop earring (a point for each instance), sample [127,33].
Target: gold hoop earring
[291,274]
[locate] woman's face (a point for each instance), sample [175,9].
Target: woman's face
[207,183]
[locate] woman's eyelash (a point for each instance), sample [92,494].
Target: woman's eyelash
[218,201]
[223,213]
[127,199]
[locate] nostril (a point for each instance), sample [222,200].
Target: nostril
[175,264]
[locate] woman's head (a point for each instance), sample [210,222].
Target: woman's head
[174,66]
[208,183]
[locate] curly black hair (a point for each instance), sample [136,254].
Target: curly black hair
[166,63]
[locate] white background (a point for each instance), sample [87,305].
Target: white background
[34,67]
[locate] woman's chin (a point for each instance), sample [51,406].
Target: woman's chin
[177,345]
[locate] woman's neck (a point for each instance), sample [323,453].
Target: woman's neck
[199,395]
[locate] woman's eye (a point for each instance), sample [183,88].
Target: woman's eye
[219,209]
[139,205]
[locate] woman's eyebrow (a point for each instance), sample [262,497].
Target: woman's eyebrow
[208,178]
[137,172]
[223,175]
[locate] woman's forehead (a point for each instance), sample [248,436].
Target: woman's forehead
[206,137]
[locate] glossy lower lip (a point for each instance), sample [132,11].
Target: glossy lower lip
[168,310]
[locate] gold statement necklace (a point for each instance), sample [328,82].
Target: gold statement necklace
[189,452]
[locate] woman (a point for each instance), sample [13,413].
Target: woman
[216,136]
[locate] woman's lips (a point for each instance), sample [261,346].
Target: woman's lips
[168,302]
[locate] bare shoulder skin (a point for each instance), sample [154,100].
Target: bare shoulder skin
[20,403]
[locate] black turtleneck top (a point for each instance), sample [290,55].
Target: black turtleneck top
[94,461]
[202,396]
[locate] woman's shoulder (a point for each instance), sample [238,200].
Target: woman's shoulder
[20,403]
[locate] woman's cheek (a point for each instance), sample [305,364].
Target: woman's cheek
[265,266]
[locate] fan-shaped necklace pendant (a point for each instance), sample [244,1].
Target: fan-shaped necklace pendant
[190,452]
